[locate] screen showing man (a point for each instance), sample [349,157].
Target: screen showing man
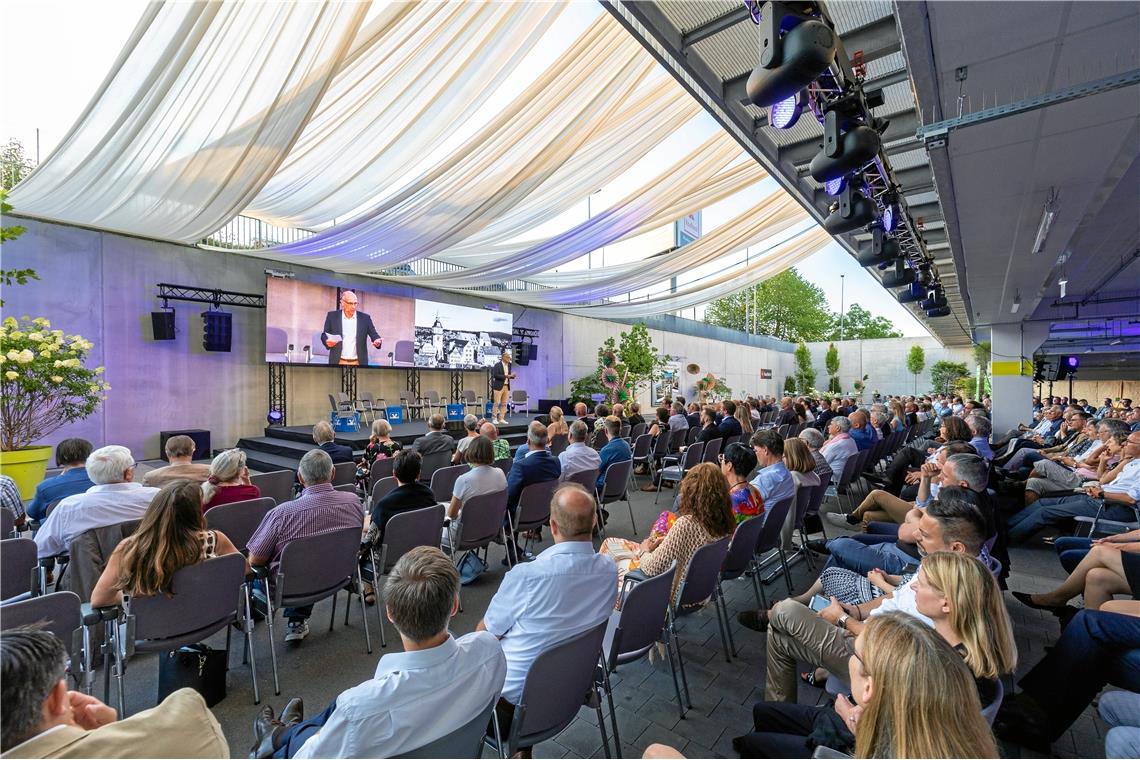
[348,332]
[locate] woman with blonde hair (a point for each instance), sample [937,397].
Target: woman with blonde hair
[380,444]
[898,415]
[743,415]
[228,480]
[171,535]
[801,465]
[557,424]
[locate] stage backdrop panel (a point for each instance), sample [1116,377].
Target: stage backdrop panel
[449,336]
[295,313]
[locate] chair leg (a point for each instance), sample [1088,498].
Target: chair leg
[722,621]
[602,728]
[629,504]
[787,572]
[119,647]
[669,641]
[379,600]
[348,605]
[269,612]
[247,649]
[363,610]
[613,714]
[681,662]
[759,587]
[727,627]
[332,615]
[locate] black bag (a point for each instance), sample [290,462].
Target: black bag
[196,667]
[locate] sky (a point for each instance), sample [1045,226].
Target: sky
[64,48]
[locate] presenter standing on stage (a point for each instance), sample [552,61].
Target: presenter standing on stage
[347,332]
[501,377]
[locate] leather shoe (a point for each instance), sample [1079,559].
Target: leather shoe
[265,732]
[757,620]
[294,711]
[818,546]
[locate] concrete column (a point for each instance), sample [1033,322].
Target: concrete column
[1011,370]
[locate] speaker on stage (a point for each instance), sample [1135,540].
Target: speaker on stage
[162,322]
[217,330]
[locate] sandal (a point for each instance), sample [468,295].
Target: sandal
[809,678]
[369,595]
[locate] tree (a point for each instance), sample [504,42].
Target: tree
[860,324]
[805,375]
[788,307]
[10,277]
[915,362]
[945,376]
[789,385]
[831,361]
[14,165]
[982,353]
[636,363]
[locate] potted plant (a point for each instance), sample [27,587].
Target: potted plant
[45,385]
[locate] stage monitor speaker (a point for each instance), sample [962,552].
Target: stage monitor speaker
[521,354]
[201,442]
[1051,369]
[217,329]
[162,322]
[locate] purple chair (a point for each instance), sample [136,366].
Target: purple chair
[771,541]
[464,742]
[403,532]
[615,487]
[699,584]
[61,614]
[443,481]
[481,521]
[278,485]
[675,473]
[381,468]
[588,479]
[20,575]
[642,449]
[344,473]
[238,520]
[712,450]
[381,488]
[534,506]
[741,558]
[433,462]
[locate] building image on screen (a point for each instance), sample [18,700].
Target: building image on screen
[459,337]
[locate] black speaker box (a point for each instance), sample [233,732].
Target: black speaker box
[201,442]
[162,322]
[217,330]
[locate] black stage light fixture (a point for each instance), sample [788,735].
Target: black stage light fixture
[843,151]
[794,50]
[916,292]
[217,328]
[162,322]
[935,299]
[942,311]
[899,277]
[878,249]
[854,211]
[521,353]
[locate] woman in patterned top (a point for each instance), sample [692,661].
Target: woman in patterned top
[380,445]
[172,535]
[736,462]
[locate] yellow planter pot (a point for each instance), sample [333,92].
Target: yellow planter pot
[26,467]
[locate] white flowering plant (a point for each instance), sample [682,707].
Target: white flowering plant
[45,382]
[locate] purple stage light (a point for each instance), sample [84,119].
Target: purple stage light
[1072,361]
[889,218]
[783,114]
[835,186]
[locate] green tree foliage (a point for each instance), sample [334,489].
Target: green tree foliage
[860,324]
[10,277]
[788,307]
[14,165]
[915,363]
[789,385]
[982,352]
[805,374]
[945,376]
[831,362]
[638,364]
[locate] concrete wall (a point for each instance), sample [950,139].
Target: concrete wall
[102,286]
[884,361]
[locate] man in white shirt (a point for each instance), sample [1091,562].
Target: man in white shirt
[435,686]
[114,498]
[567,589]
[579,457]
[347,333]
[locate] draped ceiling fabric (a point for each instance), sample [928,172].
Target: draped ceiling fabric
[195,116]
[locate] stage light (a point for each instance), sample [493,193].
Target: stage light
[843,151]
[1047,215]
[916,292]
[900,277]
[1072,362]
[794,50]
[891,215]
[934,300]
[835,186]
[854,211]
[274,417]
[877,250]
[784,114]
[943,311]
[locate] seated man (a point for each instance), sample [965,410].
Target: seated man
[980,429]
[325,439]
[70,454]
[435,686]
[1059,471]
[1120,494]
[678,420]
[616,449]
[730,425]
[839,447]
[862,431]
[569,588]
[787,415]
[773,480]
[43,718]
[694,414]
[709,429]
[1037,437]
[180,453]
[408,494]
[114,498]
[1072,440]
[796,633]
[319,509]
[499,445]
[436,439]
[578,457]
[536,465]
[580,411]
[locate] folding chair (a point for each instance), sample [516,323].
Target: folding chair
[464,742]
[21,576]
[239,520]
[344,473]
[380,489]
[741,558]
[433,462]
[534,506]
[277,485]
[699,584]
[675,473]
[62,614]
[771,541]
[642,453]
[615,487]
[443,481]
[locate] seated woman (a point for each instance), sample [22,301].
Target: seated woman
[380,444]
[661,423]
[557,424]
[704,516]
[736,463]
[172,535]
[961,599]
[228,481]
[744,417]
[482,478]
[1111,566]
[801,464]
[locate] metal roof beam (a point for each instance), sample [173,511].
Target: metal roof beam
[877,39]
[716,26]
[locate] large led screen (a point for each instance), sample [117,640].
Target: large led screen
[459,337]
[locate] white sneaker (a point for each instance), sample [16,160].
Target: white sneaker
[837,518]
[297,631]
[500,422]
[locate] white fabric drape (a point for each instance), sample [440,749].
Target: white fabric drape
[405,86]
[195,116]
[497,168]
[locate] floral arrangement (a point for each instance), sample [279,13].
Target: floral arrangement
[45,384]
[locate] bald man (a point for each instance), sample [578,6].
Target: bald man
[347,333]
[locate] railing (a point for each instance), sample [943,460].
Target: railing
[244,233]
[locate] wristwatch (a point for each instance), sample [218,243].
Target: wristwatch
[842,621]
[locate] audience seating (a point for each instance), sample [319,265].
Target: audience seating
[739,559]
[344,473]
[433,462]
[7,524]
[642,447]
[60,613]
[464,742]
[701,582]
[674,473]
[814,500]
[277,485]
[239,520]
[480,522]
[381,488]
[443,481]
[534,505]
[691,435]
[21,576]
[615,487]
[505,465]
[559,443]
[381,468]
[712,451]
[770,541]
[637,430]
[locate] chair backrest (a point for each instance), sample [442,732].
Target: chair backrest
[278,485]
[89,554]
[677,439]
[661,443]
[616,480]
[518,396]
[407,530]
[464,742]
[637,430]
[381,468]
[317,566]
[333,404]
[559,443]
[712,450]
[643,615]
[344,473]
[850,468]
[693,456]
[443,481]
[382,487]
[407,396]
[588,479]
[481,519]
[817,496]
[239,519]
[7,524]
[534,505]
[432,396]
[469,396]
[17,566]
[804,496]
[544,711]
[990,711]
[505,465]
[343,398]
[691,435]
[367,397]
[319,349]
[204,596]
[783,430]
[641,446]
[702,573]
[745,539]
[774,516]
[60,613]
[405,352]
[433,462]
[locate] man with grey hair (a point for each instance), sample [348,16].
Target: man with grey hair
[537,465]
[436,685]
[578,456]
[179,450]
[348,332]
[980,429]
[114,498]
[839,447]
[1057,471]
[471,427]
[787,415]
[678,420]
[436,440]
[319,509]
[814,440]
[325,437]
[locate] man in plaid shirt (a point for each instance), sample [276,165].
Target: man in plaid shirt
[319,509]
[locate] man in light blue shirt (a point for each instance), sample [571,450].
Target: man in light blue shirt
[567,589]
[980,429]
[678,420]
[578,457]
[436,685]
[616,450]
[773,481]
